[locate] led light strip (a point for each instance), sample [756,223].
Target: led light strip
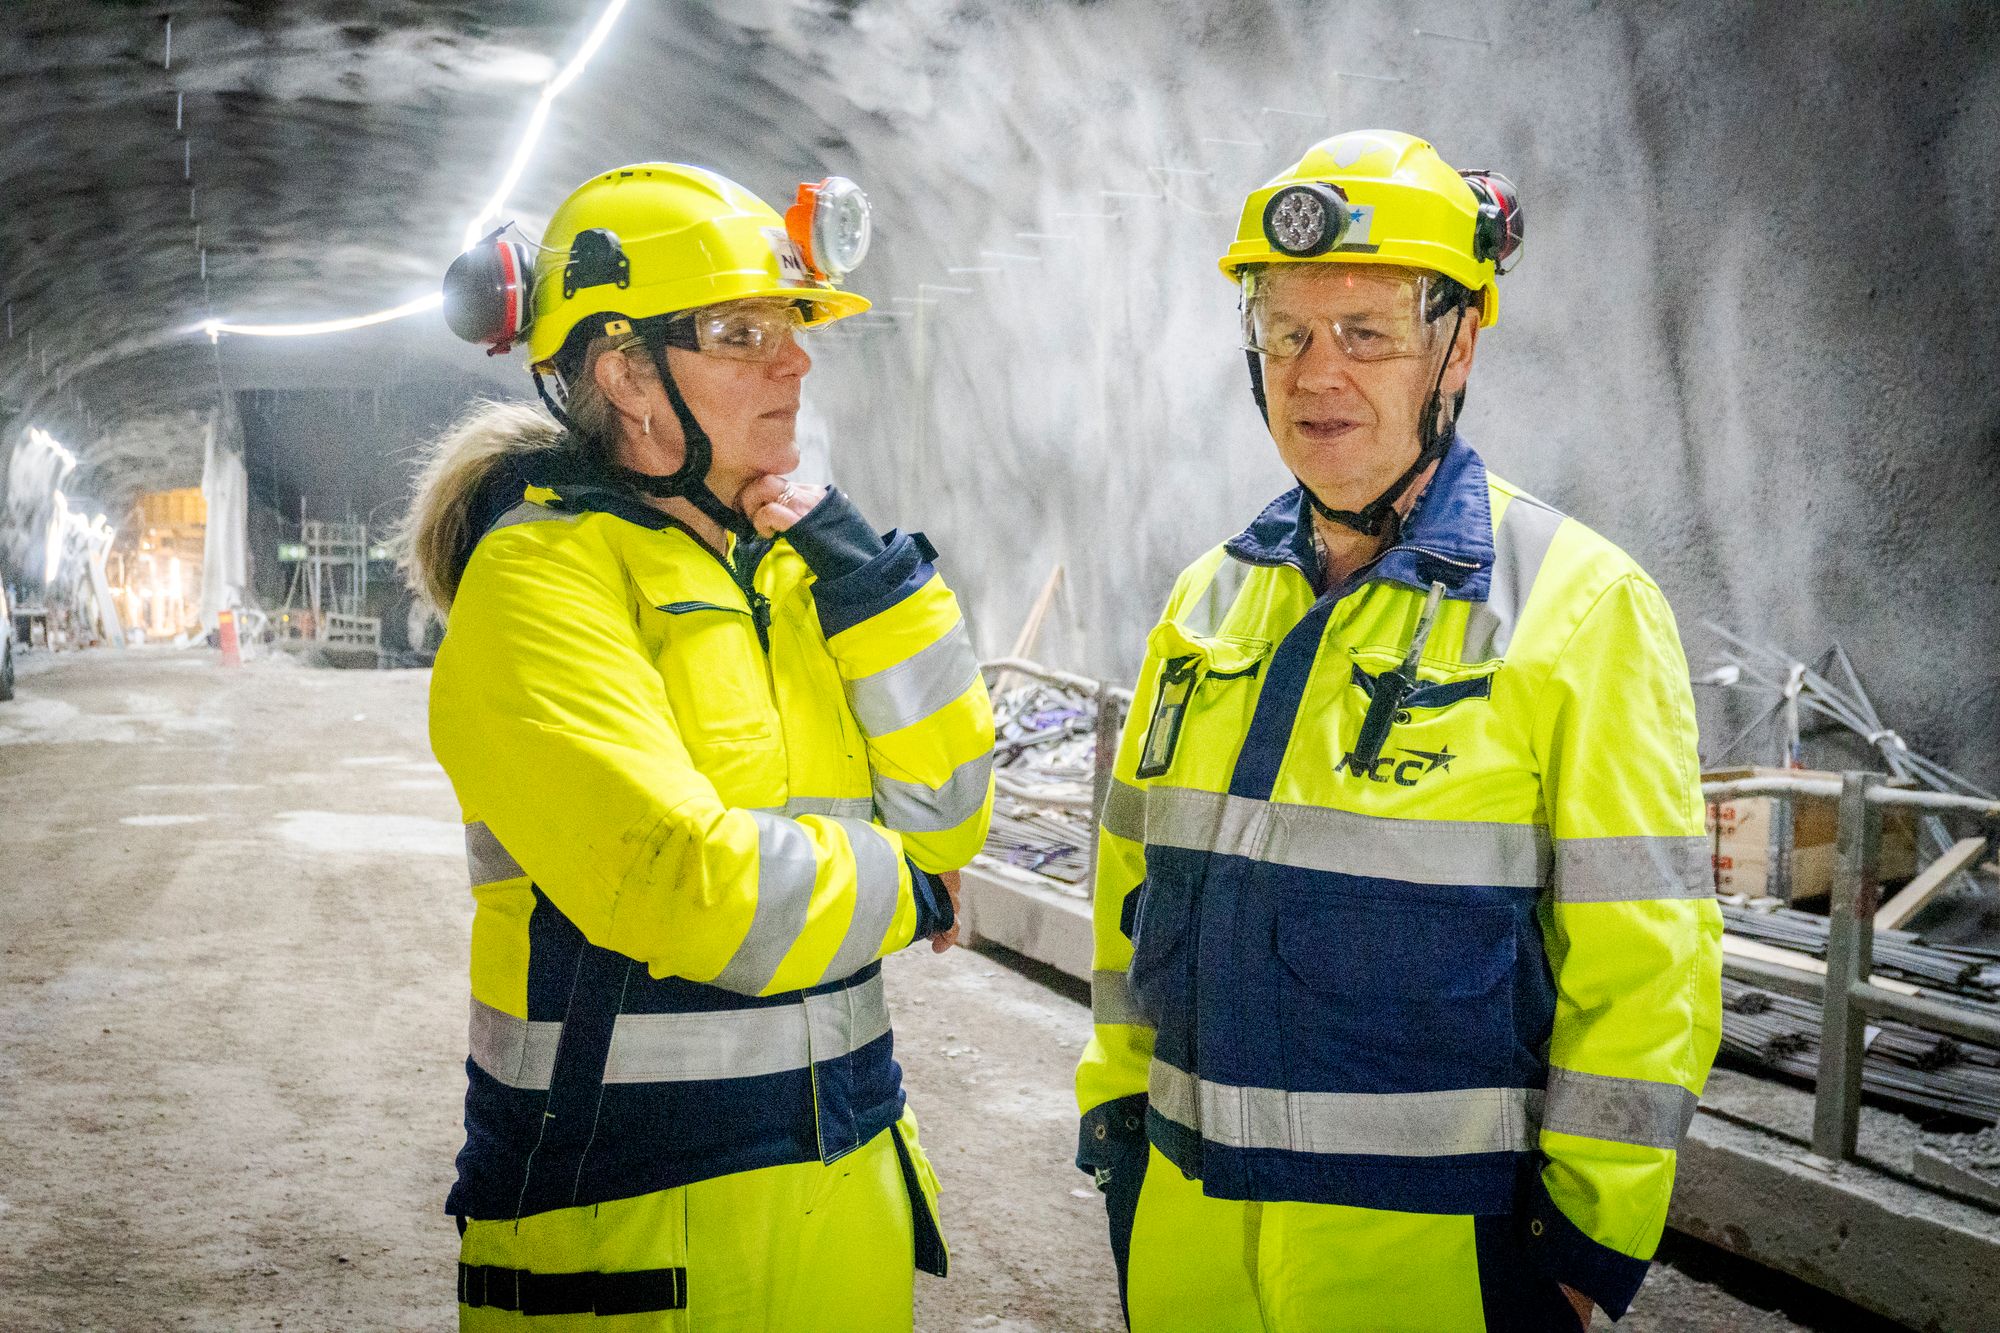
[537,122]
[214,328]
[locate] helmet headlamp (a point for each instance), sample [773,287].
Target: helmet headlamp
[829,222]
[1307,219]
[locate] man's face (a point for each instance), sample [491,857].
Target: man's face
[1347,426]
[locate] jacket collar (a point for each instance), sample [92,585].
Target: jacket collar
[570,486]
[1448,537]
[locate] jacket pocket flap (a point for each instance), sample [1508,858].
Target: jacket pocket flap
[1406,950]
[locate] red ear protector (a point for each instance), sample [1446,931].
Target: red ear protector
[1502,225]
[487,293]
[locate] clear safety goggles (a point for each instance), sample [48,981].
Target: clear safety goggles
[755,330]
[1371,313]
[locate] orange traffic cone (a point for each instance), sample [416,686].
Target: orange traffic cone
[225,625]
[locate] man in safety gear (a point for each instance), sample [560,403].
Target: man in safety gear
[718,745]
[1407,960]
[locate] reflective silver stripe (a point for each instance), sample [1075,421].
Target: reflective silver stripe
[1623,1110]
[877,891]
[1623,870]
[487,859]
[1373,1124]
[912,807]
[1111,1000]
[1428,851]
[1205,617]
[1520,543]
[916,687]
[786,869]
[513,1050]
[684,1048]
[530,512]
[1124,811]
[844,807]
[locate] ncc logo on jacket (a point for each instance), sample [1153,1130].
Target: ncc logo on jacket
[1404,772]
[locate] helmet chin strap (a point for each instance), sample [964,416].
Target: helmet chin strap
[1434,435]
[690,480]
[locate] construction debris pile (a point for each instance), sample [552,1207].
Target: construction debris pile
[1043,766]
[1902,1063]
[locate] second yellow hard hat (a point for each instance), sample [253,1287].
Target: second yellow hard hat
[1382,197]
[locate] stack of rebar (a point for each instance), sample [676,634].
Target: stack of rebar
[1954,969]
[1902,1063]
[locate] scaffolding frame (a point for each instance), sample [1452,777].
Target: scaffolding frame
[330,584]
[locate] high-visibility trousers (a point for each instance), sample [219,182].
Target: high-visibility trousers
[800,1248]
[1191,1264]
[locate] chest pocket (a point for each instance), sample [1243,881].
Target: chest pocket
[1201,706]
[1438,687]
[715,674]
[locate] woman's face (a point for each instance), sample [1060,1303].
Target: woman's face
[748,408]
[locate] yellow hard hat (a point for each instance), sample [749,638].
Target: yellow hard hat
[1381,197]
[679,238]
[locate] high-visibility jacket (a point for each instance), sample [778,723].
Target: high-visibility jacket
[702,798]
[1478,973]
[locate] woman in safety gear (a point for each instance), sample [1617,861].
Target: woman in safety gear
[718,744]
[1407,969]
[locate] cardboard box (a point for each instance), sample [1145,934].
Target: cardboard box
[1757,856]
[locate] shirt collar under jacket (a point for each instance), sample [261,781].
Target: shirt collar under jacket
[1448,536]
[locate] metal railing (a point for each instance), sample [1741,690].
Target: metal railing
[1848,998]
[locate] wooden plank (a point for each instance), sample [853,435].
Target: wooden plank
[1925,886]
[1031,628]
[1735,946]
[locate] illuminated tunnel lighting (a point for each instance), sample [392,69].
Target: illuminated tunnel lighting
[214,327]
[537,122]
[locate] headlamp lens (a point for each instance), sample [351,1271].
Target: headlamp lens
[1306,220]
[841,227]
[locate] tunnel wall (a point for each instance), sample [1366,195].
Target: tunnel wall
[1750,339]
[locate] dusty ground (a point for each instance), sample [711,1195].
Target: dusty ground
[232,1022]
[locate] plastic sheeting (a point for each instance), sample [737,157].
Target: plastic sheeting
[34,472]
[225,488]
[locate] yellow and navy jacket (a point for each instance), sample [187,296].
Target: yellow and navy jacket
[1476,974]
[702,798]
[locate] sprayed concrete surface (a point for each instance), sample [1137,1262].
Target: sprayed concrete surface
[1750,337]
[232,1001]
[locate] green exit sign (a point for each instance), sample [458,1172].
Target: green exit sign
[291,550]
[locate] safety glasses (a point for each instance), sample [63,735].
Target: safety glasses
[1371,314]
[738,330]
